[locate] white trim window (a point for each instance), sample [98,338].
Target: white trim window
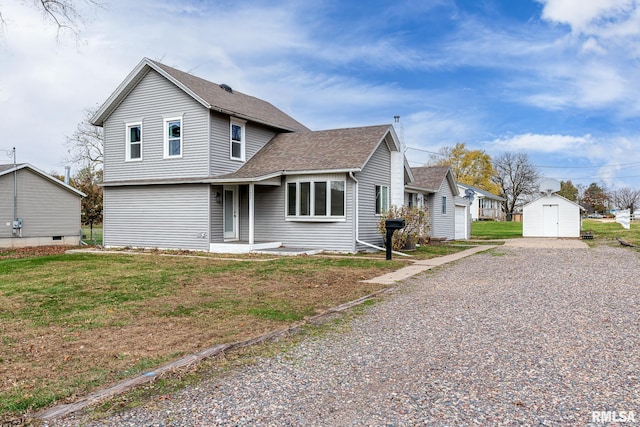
[173,138]
[316,200]
[134,142]
[444,205]
[382,199]
[237,140]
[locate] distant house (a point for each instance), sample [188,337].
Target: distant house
[37,209]
[191,164]
[485,205]
[435,188]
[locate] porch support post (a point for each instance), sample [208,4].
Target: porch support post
[251,215]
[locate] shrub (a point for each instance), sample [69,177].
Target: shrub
[416,227]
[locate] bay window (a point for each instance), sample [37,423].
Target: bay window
[316,200]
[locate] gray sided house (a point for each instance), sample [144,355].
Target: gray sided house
[37,209]
[190,164]
[434,187]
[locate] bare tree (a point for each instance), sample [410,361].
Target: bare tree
[65,14]
[86,146]
[626,198]
[516,177]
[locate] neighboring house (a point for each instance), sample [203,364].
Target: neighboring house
[485,205]
[551,215]
[435,188]
[37,209]
[191,164]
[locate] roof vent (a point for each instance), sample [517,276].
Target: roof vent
[226,87]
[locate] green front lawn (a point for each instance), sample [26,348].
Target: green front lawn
[487,230]
[608,231]
[604,231]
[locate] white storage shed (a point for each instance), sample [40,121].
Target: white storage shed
[551,215]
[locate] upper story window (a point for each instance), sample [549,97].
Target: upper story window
[316,199]
[382,199]
[237,147]
[134,141]
[444,205]
[173,137]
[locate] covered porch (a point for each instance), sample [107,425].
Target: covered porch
[233,216]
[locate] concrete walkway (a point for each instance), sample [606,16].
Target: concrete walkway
[425,264]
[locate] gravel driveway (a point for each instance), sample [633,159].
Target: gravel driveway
[516,336]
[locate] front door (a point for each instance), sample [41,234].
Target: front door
[230,207]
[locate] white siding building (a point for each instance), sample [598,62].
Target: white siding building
[551,216]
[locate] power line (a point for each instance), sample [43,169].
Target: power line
[588,167]
[424,151]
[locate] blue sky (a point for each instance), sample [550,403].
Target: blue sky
[556,79]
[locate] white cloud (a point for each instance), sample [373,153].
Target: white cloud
[543,143]
[589,16]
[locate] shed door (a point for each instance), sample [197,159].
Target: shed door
[461,223]
[550,220]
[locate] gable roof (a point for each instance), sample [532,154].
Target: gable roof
[334,150]
[551,196]
[211,95]
[430,178]
[8,169]
[481,192]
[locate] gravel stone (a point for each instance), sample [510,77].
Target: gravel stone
[510,337]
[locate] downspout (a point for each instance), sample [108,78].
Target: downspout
[15,196]
[357,222]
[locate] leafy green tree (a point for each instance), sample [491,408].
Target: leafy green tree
[471,167]
[568,191]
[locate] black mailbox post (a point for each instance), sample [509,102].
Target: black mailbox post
[392,225]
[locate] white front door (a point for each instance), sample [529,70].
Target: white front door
[230,207]
[550,220]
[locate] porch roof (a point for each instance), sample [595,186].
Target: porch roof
[334,150]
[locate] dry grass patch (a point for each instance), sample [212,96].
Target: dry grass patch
[72,323]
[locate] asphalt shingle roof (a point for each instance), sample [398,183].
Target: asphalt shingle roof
[335,149]
[234,102]
[429,177]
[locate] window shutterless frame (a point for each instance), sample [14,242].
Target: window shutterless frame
[173,138]
[382,199]
[316,200]
[133,144]
[237,144]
